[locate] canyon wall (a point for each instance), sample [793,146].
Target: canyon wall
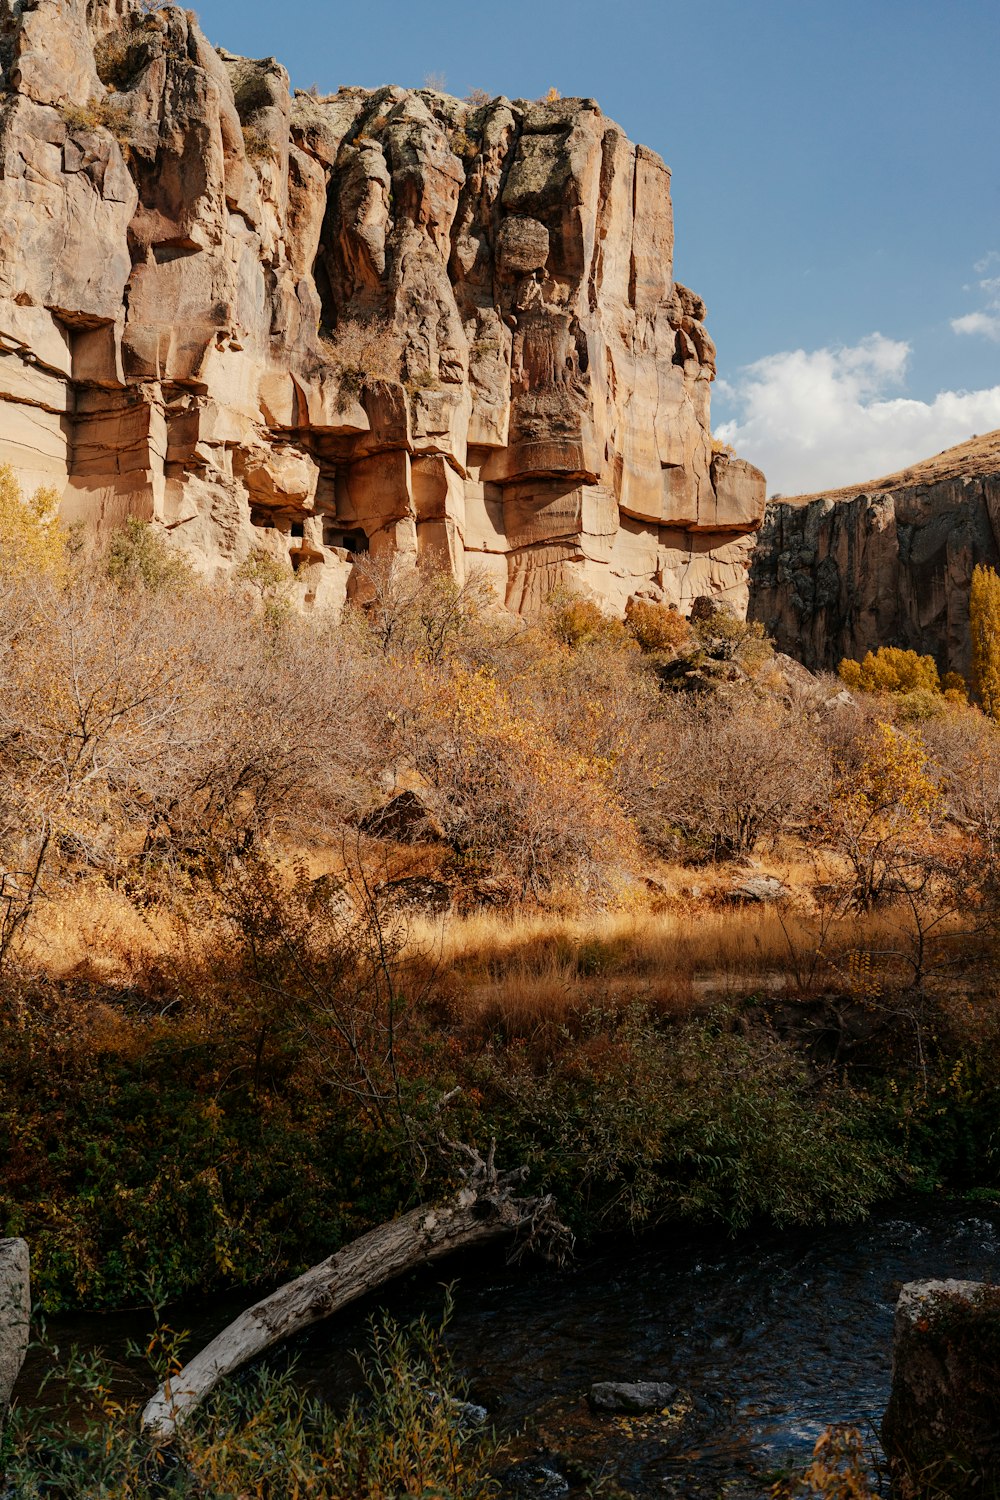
[384,322]
[885,564]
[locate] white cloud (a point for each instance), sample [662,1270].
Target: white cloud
[987,323]
[986,320]
[818,420]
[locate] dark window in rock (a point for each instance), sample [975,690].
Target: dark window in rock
[298,529]
[335,535]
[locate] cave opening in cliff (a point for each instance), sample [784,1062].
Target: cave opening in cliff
[349,540]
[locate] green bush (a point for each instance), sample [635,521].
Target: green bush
[140,557]
[636,1122]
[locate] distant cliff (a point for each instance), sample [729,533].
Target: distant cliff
[886,563]
[381,321]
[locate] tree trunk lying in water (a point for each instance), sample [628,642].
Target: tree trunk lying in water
[484,1209]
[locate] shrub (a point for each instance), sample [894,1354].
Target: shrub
[737,772]
[577,622]
[518,802]
[880,811]
[890,669]
[362,353]
[32,540]
[463,144]
[840,1470]
[257,143]
[139,556]
[657,627]
[724,635]
[100,114]
[408,1433]
[644,1122]
[965,754]
[119,55]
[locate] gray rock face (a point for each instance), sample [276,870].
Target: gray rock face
[942,1426]
[759,890]
[631,1396]
[15,1315]
[383,321]
[838,575]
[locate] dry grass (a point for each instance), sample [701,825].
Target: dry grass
[98,932]
[524,969]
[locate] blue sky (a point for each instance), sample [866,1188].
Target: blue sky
[836,184]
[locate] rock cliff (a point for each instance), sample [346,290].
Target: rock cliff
[381,321]
[885,564]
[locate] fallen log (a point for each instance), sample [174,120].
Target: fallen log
[484,1209]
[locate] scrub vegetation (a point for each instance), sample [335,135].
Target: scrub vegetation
[690,937]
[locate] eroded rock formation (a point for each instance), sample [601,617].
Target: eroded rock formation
[380,321]
[885,564]
[941,1430]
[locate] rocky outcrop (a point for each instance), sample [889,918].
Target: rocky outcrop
[384,322]
[15,1316]
[942,1427]
[889,563]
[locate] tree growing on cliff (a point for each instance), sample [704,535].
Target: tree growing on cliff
[984,628]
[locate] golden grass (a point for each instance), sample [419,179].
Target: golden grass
[97,930]
[525,968]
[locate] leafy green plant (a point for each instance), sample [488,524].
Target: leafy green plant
[140,557]
[642,1122]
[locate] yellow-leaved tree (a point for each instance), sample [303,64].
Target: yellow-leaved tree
[882,812]
[32,541]
[984,628]
[890,669]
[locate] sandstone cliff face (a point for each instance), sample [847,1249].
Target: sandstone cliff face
[383,322]
[840,574]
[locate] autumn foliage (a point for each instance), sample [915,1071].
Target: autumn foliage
[984,627]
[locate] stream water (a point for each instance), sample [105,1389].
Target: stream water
[769,1339]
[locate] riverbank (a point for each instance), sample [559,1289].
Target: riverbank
[769,1337]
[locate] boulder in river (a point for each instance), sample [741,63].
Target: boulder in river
[535,1477]
[942,1427]
[631,1396]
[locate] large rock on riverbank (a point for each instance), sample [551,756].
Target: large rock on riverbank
[383,321]
[885,563]
[15,1315]
[942,1427]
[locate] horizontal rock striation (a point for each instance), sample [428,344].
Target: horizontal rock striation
[381,321]
[889,563]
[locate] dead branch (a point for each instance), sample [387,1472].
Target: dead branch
[485,1208]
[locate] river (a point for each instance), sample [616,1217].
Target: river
[768,1337]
